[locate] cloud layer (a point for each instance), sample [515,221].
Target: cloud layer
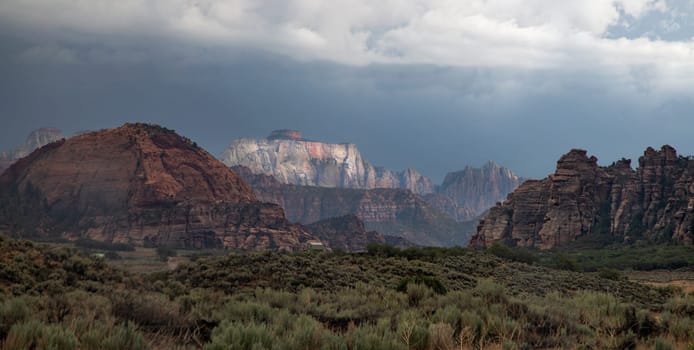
[517,81]
[573,35]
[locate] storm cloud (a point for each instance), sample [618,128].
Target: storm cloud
[430,84]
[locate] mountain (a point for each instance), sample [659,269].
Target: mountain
[36,139]
[394,212]
[292,159]
[346,233]
[654,202]
[140,184]
[288,157]
[468,193]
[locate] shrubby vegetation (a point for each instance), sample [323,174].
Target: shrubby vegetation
[57,298]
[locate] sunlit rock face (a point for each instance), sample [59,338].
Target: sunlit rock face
[291,159]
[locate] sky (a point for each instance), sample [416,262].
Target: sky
[429,84]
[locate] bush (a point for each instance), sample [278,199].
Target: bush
[235,335]
[429,281]
[125,337]
[610,274]
[35,335]
[12,311]
[512,254]
[441,336]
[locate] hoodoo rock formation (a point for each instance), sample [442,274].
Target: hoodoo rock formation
[655,202]
[291,159]
[140,184]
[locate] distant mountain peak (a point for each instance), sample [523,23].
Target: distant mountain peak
[36,139]
[474,190]
[291,159]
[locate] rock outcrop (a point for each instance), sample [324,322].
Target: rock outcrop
[468,193]
[392,212]
[345,233]
[139,184]
[36,139]
[655,202]
[291,159]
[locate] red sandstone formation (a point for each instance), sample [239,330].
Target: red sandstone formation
[655,202]
[140,184]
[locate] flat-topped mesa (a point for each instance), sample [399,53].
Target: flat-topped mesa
[291,159]
[285,134]
[140,184]
[655,202]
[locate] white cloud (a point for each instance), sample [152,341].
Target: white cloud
[516,34]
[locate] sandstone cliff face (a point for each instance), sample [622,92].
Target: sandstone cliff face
[468,193]
[139,184]
[345,233]
[395,212]
[293,160]
[36,139]
[655,202]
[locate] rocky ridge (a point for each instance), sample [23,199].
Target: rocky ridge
[140,184]
[654,202]
[291,159]
[468,193]
[392,212]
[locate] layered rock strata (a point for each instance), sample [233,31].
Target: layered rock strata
[140,184]
[655,202]
[291,159]
[395,212]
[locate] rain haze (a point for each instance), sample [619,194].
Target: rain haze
[431,84]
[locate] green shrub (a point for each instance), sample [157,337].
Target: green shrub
[429,281]
[235,335]
[513,254]
[490,291]
[12,311]
[125,337]
[441,336]
[370,337]
[35,335]
[417,292]
[610,274]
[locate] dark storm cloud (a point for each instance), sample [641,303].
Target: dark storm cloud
[433,88]
[432,118]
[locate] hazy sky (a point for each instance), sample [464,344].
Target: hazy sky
[429,84]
